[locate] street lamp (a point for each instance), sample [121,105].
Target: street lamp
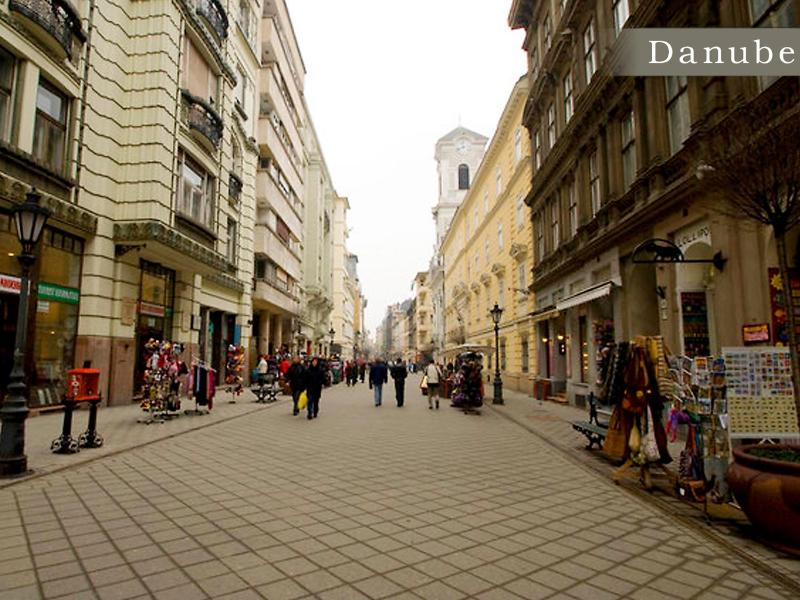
[30,218]
[331,333]
[497,313]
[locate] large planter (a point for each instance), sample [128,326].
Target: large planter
[768,491]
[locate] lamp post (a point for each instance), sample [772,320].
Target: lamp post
[331,333]
[497,313]
[30,218]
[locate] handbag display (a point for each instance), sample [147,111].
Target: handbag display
[616,442]
[649,445]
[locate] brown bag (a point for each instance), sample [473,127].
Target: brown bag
[616,442]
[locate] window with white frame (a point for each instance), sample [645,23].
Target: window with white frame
[242,86]
[547,32]
[517,145]
[572,200]
[520,212]
[537,149]
[50,128]
[677,111]
[196,74]
[628,131]
[501,292]
[539,226]
[499,181]
[551,126]
[590,50]
[622,12]
[195,193]
[499,237]
[555,224]
[230,250]
[568,107]
[594,183]
[8,65]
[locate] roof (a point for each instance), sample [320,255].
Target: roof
[461,132]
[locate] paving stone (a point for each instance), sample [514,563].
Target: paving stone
[285,589]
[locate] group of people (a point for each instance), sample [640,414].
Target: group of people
[355,371]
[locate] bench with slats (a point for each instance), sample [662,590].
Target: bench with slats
[593,429]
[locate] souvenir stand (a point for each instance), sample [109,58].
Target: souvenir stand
[468,386]
[201,385]
[234,367]
[164,373]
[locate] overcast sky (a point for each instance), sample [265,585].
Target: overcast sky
[386,79]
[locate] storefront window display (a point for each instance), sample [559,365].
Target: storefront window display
[156,295]
[54,322]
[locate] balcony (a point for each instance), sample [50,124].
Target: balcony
[214,14]
[55,22]
[270,192]
[200,117]
[275,293]
[269,244]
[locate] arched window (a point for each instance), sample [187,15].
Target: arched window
[463,177]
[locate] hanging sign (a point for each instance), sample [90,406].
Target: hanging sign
[43,306]
[10,284]
[58,293]
[755,334]
[698,233]
[153,310]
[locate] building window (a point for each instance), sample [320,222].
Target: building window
[501,292]
[197,76]
[555,226]
[499,182]
[590,50]
[195,193]
[537,150]
[594,183]
[463,177]
[677,111]
[518,145]
[568,97]
[522,279]
[50,133]
[547,32]
[551,126]
[230,249]
[539,235]
[572,199]
[621,12]
[520,212]
[499,237]
[242,86]
[7,76]
[525,356]
[628,150]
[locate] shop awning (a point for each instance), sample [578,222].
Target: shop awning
[587,295]
[544,315]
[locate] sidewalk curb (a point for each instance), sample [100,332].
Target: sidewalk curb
[706,530]
[6,484]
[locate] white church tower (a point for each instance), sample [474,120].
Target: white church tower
[458,155]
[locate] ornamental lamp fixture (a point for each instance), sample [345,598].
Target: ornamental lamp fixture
[496,313]
[30,218]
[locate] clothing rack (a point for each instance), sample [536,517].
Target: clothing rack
[201,392]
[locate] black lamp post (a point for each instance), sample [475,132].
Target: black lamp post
[30,218]
[497,313]
[331,333]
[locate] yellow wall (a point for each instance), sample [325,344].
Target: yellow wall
[473,276]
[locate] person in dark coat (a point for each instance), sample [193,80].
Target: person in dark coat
[378,375]
[315,378]
[399,374]
[296,376]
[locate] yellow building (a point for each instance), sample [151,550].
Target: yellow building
[487,252]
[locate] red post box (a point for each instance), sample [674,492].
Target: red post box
[83,385]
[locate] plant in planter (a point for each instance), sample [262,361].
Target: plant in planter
[766,482]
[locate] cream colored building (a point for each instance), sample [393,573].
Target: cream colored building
[423,318]
[488,249]
[346,287]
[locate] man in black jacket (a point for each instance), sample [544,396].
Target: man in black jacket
[378,375]
[399,374]
[296,376]
[315,378]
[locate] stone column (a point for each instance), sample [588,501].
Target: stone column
[278,331]
[263,332]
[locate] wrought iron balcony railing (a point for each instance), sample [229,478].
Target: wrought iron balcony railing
[215,15]
[58,18]
[200,116]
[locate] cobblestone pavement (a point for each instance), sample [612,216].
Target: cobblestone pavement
[363,502]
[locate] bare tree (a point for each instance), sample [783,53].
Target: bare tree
[750,166]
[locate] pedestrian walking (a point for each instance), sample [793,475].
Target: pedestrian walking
[378,375]
[296,376]
[362,369]
[315,379]
[399,373]
[262,368]
[434,375]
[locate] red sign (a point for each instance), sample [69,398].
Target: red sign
[153,310]
[10,284]
[755,334]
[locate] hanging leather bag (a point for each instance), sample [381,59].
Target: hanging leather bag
[616,442]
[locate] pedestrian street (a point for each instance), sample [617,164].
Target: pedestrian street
[363,502]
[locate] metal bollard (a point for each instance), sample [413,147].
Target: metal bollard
[65,443]
[90,438]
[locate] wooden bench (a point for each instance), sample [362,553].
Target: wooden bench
[593,429]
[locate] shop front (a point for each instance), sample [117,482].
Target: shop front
[155,310]
[53,318]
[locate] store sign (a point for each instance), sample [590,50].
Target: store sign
[755,334]
[698,233]
[58,293]
[153,310]
[10,284]
[43,306]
